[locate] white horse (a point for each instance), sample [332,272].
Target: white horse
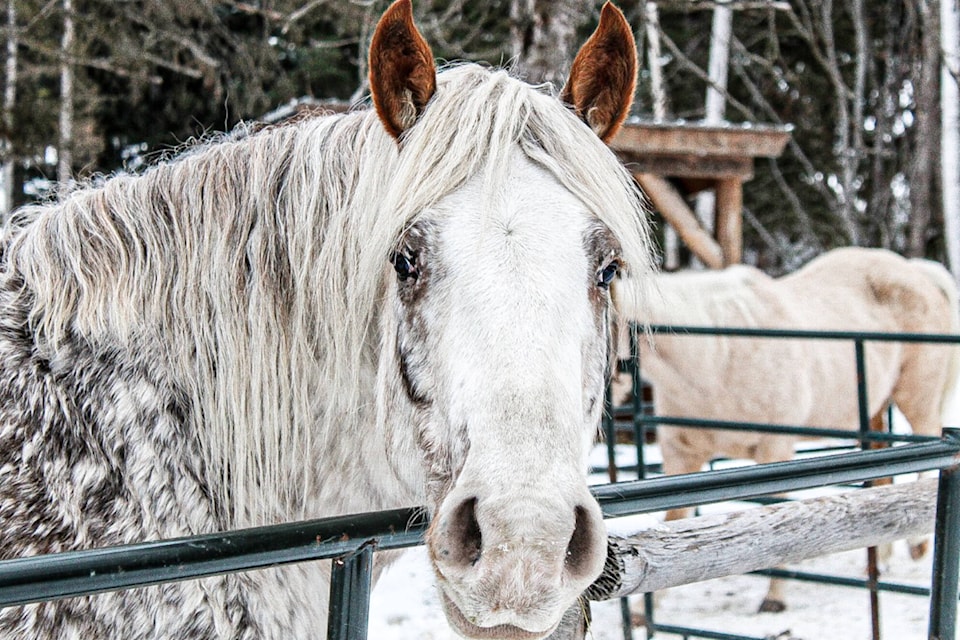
[332,316]
[792,381]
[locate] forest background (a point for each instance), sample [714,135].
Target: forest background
[92,87]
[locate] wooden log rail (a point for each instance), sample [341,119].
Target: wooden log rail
[718,545]
[713,546]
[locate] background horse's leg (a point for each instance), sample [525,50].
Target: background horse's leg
[775,449]
[921,397]
[878,424]
[681,454]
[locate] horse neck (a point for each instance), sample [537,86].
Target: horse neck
[232,264]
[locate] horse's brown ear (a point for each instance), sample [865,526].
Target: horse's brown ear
[402,73]
[604,75]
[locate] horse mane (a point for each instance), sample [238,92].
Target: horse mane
[253,267]
[730,296]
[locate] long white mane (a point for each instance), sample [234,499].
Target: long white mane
[252,269]
[733,296]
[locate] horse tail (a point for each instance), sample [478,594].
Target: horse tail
[944,281]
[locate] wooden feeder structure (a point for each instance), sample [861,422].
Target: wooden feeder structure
[699,156]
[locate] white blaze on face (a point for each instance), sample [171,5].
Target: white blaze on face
[503,346]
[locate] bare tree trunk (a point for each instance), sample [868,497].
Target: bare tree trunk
[9,102]
[543,37]
[654,54]
[887,82]
[715,104]
[718,64]
[658,96]
[926,134]
[366,33]
[844,152]
[65,156]
[950,140]
[856,151]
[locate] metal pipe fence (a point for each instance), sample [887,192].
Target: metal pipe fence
[350,541]
[641,421]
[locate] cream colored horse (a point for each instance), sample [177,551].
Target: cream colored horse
[793,381]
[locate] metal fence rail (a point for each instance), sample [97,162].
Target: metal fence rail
[641,421]
[351,540]
[73,573]
[641,418]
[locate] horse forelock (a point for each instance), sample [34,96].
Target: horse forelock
[256,264]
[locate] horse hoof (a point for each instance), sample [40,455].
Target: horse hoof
[770,605]
[919,549]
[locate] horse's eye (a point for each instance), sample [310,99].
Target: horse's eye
[608,274]
[405,265]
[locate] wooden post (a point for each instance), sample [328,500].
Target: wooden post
[672,207]
[729,225]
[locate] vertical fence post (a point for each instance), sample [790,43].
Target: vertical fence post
[864,408]
[349,608]
[946,552]
[863,413]
[610,435]
[639,424]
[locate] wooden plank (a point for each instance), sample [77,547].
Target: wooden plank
[706,547]
[675,211]
[687,166]
[701,140]
[729,221]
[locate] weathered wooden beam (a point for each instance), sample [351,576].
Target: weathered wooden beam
[713,546]
[700,140]
[687,166]
[672,207]
[691,550]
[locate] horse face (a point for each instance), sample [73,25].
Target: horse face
[499,341]
[501,347]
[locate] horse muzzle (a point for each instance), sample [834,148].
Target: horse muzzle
[508,569]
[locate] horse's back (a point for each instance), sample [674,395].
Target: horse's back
[723,377]
[872,289]
[860,289]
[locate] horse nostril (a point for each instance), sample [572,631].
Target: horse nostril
[464,531]
[580,549]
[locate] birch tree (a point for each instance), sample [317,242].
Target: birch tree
[543,37]
[65,147]
[715,102]
[9,104]
[950,139]
[927,130]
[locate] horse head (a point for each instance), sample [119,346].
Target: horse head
[496,334]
